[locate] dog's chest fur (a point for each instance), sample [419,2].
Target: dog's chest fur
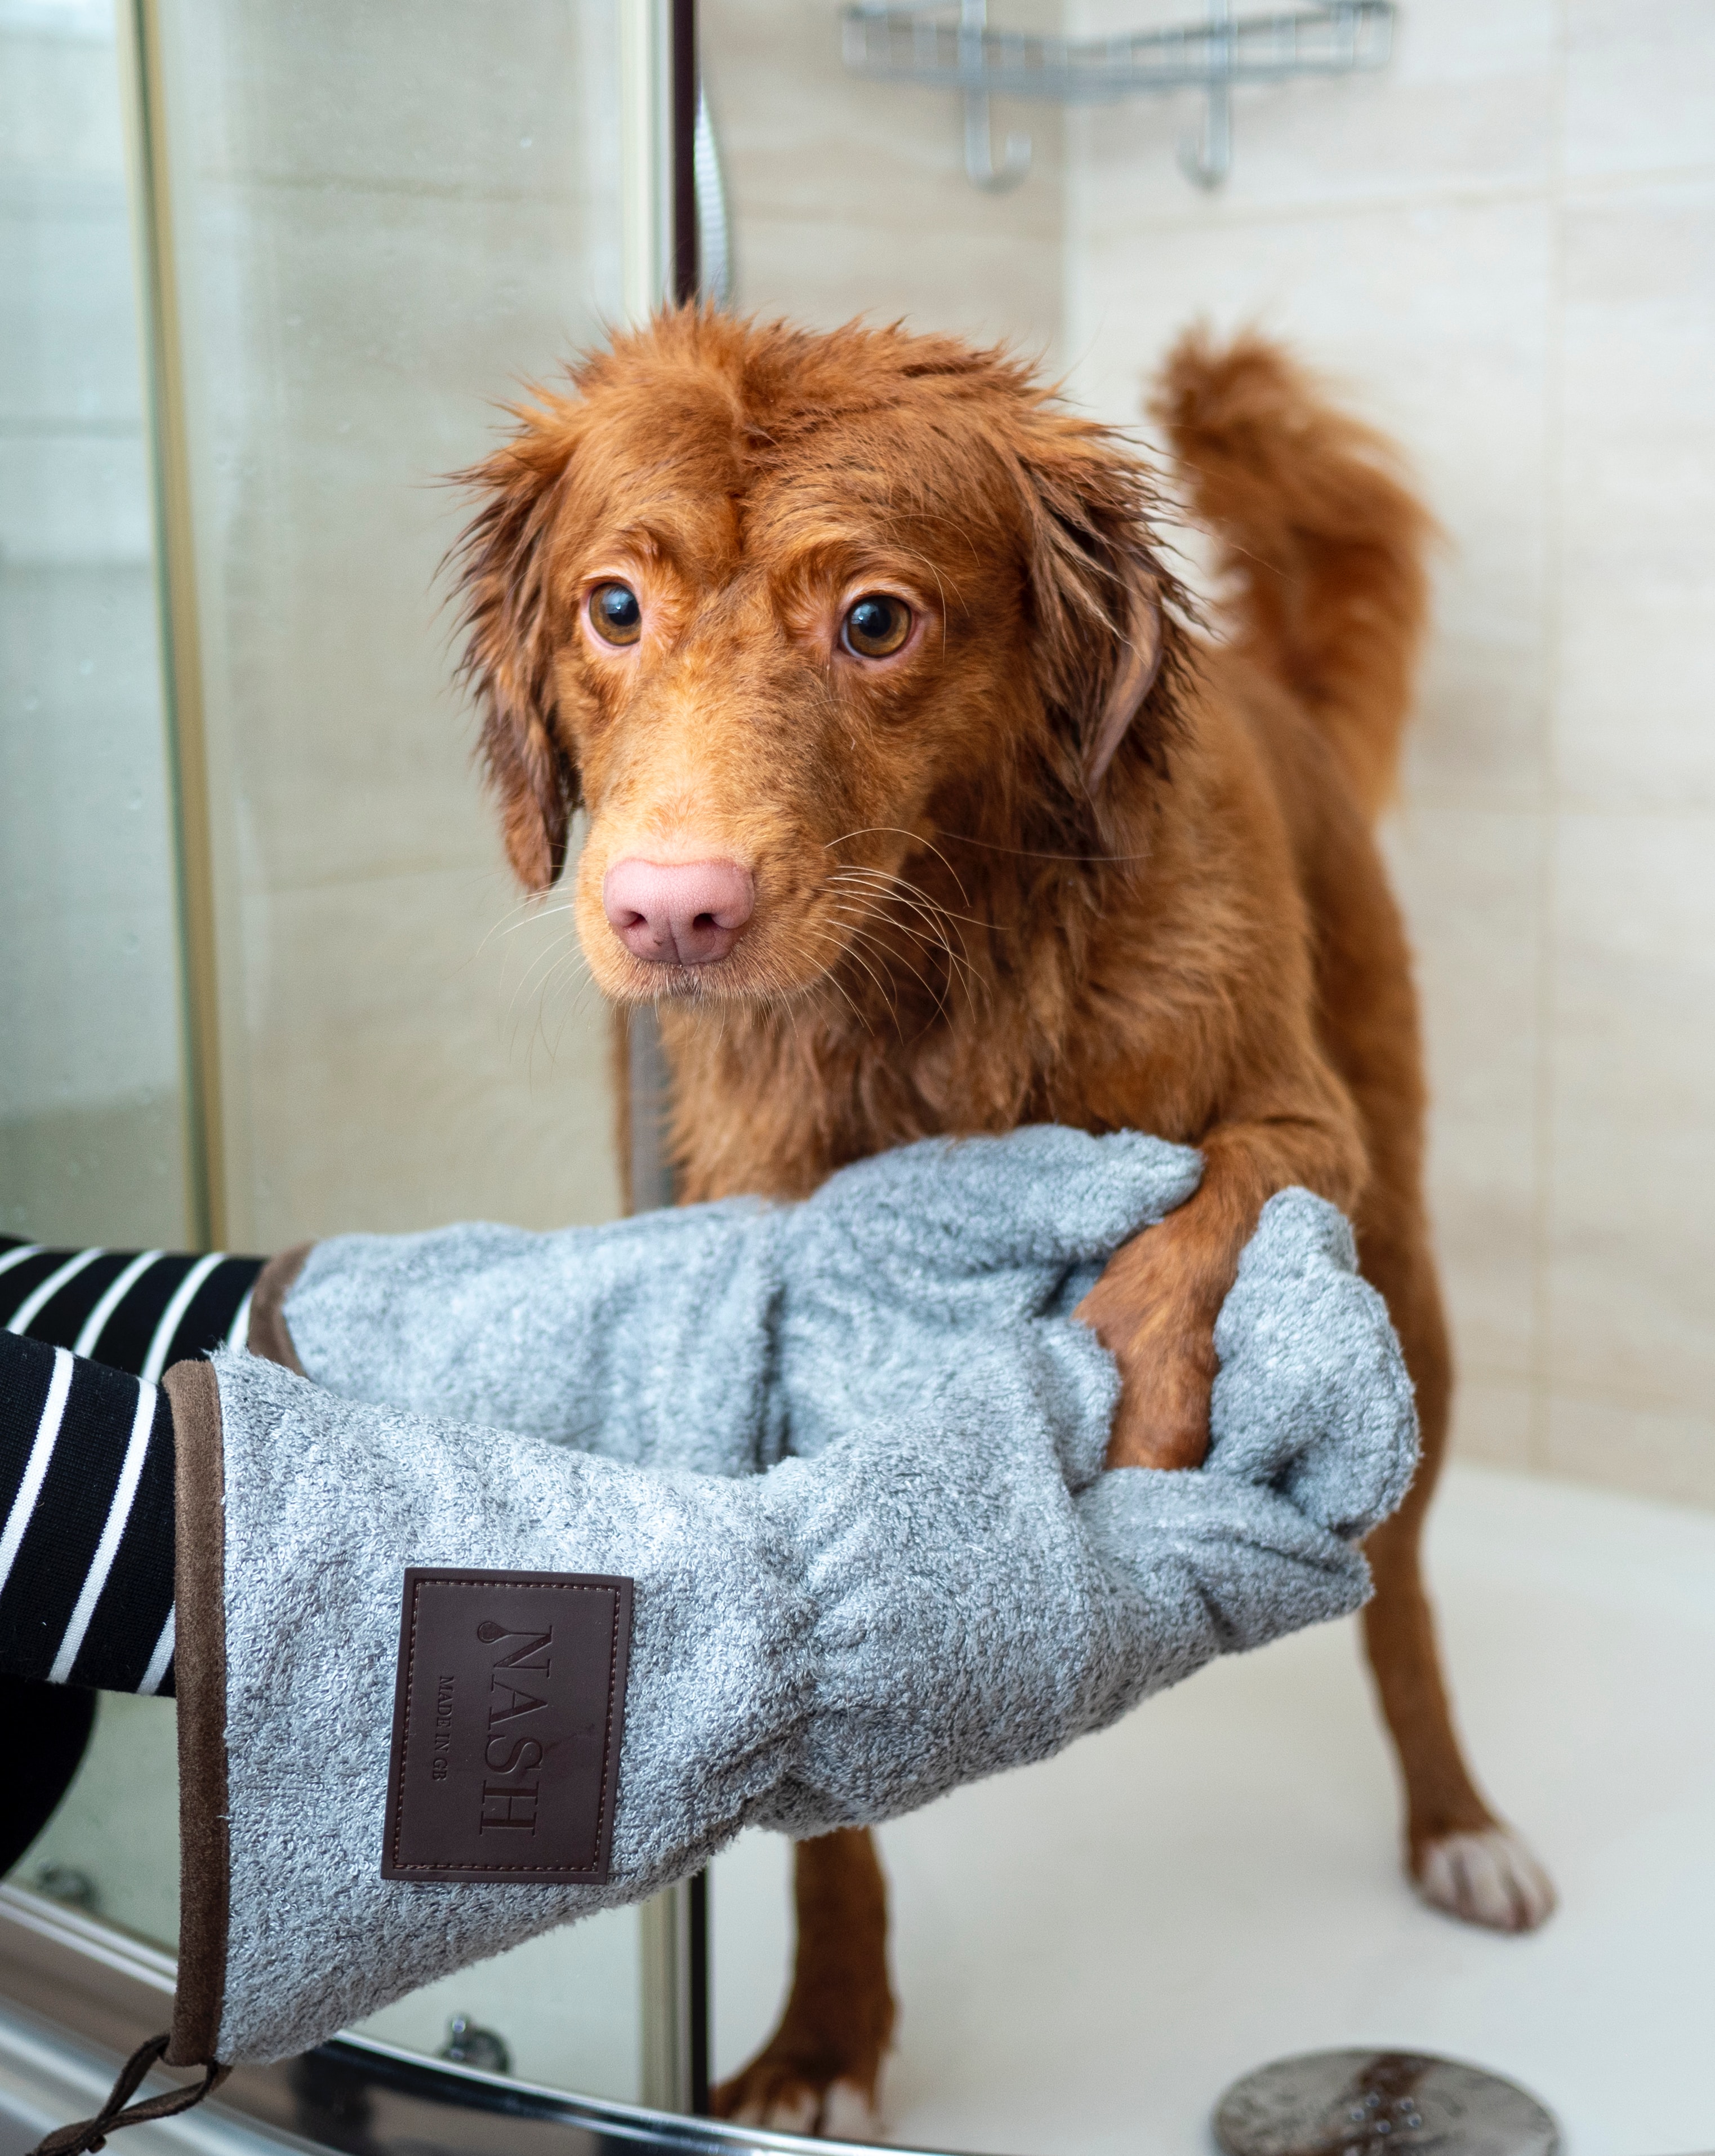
[1070,1019]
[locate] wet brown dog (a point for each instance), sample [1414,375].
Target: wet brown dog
[916,805]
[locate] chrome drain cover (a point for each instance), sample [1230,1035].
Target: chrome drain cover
[1363,2103]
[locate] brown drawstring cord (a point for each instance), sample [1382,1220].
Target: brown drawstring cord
[91,2133]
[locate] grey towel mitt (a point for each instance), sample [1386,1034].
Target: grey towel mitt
[725,1337]
[947,1587]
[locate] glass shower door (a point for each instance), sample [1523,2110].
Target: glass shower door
[271,979]
[92,1107]
[381,226]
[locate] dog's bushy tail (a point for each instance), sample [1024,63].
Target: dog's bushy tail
[1320,536]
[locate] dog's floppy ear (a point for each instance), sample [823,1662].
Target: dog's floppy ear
[1132,674]
[1100,592]
[509,619]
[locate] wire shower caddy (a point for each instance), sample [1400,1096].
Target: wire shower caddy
[949,44]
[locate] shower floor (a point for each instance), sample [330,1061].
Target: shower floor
[1087,1952]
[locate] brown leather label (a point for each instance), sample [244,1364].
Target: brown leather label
[507,1721]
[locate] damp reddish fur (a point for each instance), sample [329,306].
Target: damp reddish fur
[1064,859]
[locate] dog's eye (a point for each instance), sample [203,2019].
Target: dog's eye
[876,625]
[615,614]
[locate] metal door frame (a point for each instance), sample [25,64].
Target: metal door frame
[94,1994]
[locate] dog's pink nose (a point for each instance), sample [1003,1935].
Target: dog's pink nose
[689,914]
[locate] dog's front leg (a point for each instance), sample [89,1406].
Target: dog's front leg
[820,2072]
[1156,1306]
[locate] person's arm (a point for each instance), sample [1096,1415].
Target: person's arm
[942,1591]
[86,1522]
[136,1311]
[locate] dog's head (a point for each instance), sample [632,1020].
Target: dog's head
[779,608]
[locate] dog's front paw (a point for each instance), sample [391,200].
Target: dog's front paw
[789,2096]
[1163,1417]
[1163,1339]
[1485,1877]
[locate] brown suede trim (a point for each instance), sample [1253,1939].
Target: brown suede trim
[199,1669]
[268,1335]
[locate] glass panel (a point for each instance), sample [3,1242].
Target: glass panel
[112,1848]
[379,225]
[381,228]
[92,1145]
[565,2007]
[91,1107]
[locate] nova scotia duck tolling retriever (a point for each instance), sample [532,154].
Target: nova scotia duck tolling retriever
[918,802]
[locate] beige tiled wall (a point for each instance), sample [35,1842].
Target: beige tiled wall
[1504,249]
[386,222]
[848,197]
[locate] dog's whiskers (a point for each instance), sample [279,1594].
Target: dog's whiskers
[898,889]
[1034,853]
[863,934]
[553,958]
[913,891]
[530,919]
[878,890]
[521,914]
[865,911]
[894,830]
[936,991]
[565,962]
[937,996]
[935,934]
[889,993]
[834,982]
[538,980]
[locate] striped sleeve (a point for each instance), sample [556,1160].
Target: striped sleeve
[86,1452]
[139,1310]
[86,1527]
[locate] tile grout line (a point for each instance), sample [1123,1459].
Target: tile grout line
[1550,189]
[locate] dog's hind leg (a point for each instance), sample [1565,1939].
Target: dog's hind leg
[820,2072]
[1462,1858]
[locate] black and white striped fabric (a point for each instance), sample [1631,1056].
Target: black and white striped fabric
[86,1478]
[86,1462]
[140,1311]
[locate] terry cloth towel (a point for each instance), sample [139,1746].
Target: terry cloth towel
[930,1580]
